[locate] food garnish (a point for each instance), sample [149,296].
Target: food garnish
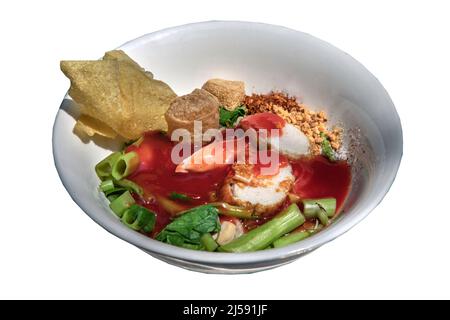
[122,203]
[104,167]
[179,196]
[327,150]
[125,165]
[139,218]
[130,186]
[229,118]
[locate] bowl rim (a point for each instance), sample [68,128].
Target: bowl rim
[297,249]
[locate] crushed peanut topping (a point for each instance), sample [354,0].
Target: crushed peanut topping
[311,123]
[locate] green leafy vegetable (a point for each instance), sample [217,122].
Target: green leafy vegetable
[179,196]
[327,150]
[186,231]
[228,118]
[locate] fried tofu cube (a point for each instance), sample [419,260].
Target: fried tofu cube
[230,94]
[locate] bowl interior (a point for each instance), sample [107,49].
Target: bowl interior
[267,58]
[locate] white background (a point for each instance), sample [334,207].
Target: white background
[50,249]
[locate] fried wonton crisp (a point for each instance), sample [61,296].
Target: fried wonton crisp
[121,56]
[90,127]
[117,92]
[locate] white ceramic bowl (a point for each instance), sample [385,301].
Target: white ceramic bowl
[267,58]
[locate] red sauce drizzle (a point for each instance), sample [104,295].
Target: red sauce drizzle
[316,177]
[156,175]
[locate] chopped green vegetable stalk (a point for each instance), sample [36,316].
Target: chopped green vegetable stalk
[327,150]
[228,118]
[323,218]
[208,242]
[112,197]
[233,211]
[122,203]
[291,238]
[186,231]
[262,236]
[328,205]
[321,209]
[130,186]
[111,187]
[139,218]
[179,196]
[104,167]
[117,190]
[107,186]
[125,165]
